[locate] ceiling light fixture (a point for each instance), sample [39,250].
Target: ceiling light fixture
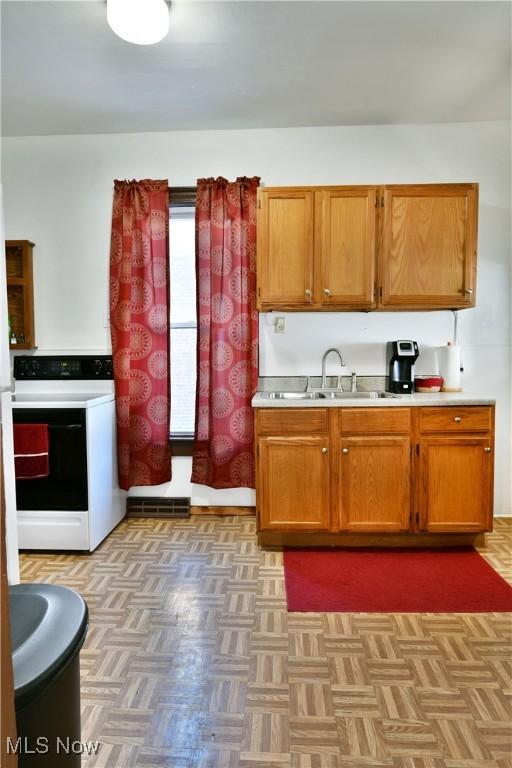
[142,22]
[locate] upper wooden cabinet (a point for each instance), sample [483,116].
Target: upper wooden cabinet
[285,247]
[345,247]
[428,254]
[316,247]
[367,247]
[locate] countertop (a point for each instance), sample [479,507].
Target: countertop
[264,400]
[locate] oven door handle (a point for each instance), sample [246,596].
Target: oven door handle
[66,427]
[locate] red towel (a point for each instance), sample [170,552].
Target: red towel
[31,451]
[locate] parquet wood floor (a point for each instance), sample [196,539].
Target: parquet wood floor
[192,661]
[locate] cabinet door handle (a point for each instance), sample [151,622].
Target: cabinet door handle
[327,291]
[457,419]
[324,450]
[469,290]
[344,450]
[309,293]
[487,450]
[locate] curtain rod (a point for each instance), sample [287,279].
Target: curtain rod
[182,190]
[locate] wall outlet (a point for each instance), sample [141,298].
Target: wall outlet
[280,325]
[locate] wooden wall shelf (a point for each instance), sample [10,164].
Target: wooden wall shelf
[20,292]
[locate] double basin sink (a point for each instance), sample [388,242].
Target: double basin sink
[330,395]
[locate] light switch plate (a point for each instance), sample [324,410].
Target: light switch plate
[280,325]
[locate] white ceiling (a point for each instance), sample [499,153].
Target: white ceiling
[255,65]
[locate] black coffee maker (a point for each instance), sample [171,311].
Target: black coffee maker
[401,356]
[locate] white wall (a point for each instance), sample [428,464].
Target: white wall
[58,193]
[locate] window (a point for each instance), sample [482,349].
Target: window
[183,317]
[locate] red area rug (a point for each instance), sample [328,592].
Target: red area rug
[393,581]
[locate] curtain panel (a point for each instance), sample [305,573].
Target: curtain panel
[227,341]
[139,324]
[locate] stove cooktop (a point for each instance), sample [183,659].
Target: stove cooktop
[60,399]
[52,396]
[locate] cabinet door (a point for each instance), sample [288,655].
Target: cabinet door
[285,248]
[345,250]
[455,491]
[375,483]
[293,483]
[428,252]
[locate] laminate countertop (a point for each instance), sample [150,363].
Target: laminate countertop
[268,400]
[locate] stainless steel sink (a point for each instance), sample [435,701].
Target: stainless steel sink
[330,395]
[294,395]
[355,395]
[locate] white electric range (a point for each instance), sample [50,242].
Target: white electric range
[80,502]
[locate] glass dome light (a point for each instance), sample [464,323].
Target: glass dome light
[143,22]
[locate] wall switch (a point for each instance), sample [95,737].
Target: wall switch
[280,325]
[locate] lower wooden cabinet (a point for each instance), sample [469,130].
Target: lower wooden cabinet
[455,483]
[375,483]
[294,483]
[371,470]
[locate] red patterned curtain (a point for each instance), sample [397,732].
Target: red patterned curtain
[223,455]
[139,323]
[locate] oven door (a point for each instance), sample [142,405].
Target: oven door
[65,488]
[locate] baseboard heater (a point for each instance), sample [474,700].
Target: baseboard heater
[158,506]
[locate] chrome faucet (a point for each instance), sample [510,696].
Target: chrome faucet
[324,360]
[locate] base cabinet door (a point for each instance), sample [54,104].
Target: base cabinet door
[375,483]
[455,492]
[293,483]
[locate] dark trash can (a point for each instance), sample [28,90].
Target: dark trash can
[48,628]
